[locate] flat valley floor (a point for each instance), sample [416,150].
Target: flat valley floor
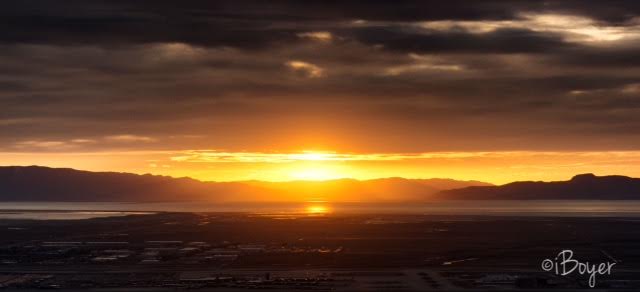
[315,252]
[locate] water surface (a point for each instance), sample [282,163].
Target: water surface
[83,210]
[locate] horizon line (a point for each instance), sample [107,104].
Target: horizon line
[301,180]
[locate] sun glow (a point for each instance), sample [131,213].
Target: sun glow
[317,210]
[314,165]
[314,173]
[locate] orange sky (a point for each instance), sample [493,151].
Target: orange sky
[210,165]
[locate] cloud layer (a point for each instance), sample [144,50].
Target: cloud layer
[355,76]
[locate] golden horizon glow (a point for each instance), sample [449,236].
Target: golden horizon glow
[496,167]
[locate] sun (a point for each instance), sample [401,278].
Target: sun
[314,165]
[316,210]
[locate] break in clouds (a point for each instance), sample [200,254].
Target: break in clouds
[396,76]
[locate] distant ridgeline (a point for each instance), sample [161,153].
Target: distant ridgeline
[583,186]
[34,183]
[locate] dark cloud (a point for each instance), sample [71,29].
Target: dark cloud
[428,41]
[616,12]
[223,71]
[255,24]
[622,56]
[114,27]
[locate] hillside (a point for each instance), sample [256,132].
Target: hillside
[583,186]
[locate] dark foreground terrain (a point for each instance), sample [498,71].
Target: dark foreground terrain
[232,251]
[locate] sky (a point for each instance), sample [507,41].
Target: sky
[496,91]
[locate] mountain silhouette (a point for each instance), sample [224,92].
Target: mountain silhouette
[35,183]
[583,186]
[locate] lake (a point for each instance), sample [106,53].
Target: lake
[85,210]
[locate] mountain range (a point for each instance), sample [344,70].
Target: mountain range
[35,183]
[581,187]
